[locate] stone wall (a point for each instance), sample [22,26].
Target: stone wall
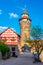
[41,56]
[25,32]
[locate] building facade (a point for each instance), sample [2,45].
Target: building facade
[11,38]
[24,28]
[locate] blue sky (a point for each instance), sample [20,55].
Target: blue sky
[11,10]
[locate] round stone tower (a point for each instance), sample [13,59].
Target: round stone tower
[24,28]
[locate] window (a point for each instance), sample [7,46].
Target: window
[13,48]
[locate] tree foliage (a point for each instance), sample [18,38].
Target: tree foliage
[36,34]
[3,48]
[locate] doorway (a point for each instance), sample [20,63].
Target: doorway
[13,51]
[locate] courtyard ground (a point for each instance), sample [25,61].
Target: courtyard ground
[23,59]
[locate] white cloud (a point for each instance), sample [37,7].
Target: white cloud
[13,15]
[22,8]
[0,12]
[2,28]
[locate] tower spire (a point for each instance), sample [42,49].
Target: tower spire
[25,16]
[25,12]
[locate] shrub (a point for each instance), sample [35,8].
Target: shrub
[4,48]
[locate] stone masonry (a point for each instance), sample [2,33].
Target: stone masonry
[24,28]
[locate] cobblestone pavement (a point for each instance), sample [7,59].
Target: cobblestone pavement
[23,59]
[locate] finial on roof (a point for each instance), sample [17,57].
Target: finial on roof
[25,12]
[25,15]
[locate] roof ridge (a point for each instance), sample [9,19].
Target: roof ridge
[11,29]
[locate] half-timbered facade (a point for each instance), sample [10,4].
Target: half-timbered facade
[11,38]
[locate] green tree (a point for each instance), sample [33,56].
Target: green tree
[36,34]
[4,49]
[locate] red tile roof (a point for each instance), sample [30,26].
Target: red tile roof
[11,30]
